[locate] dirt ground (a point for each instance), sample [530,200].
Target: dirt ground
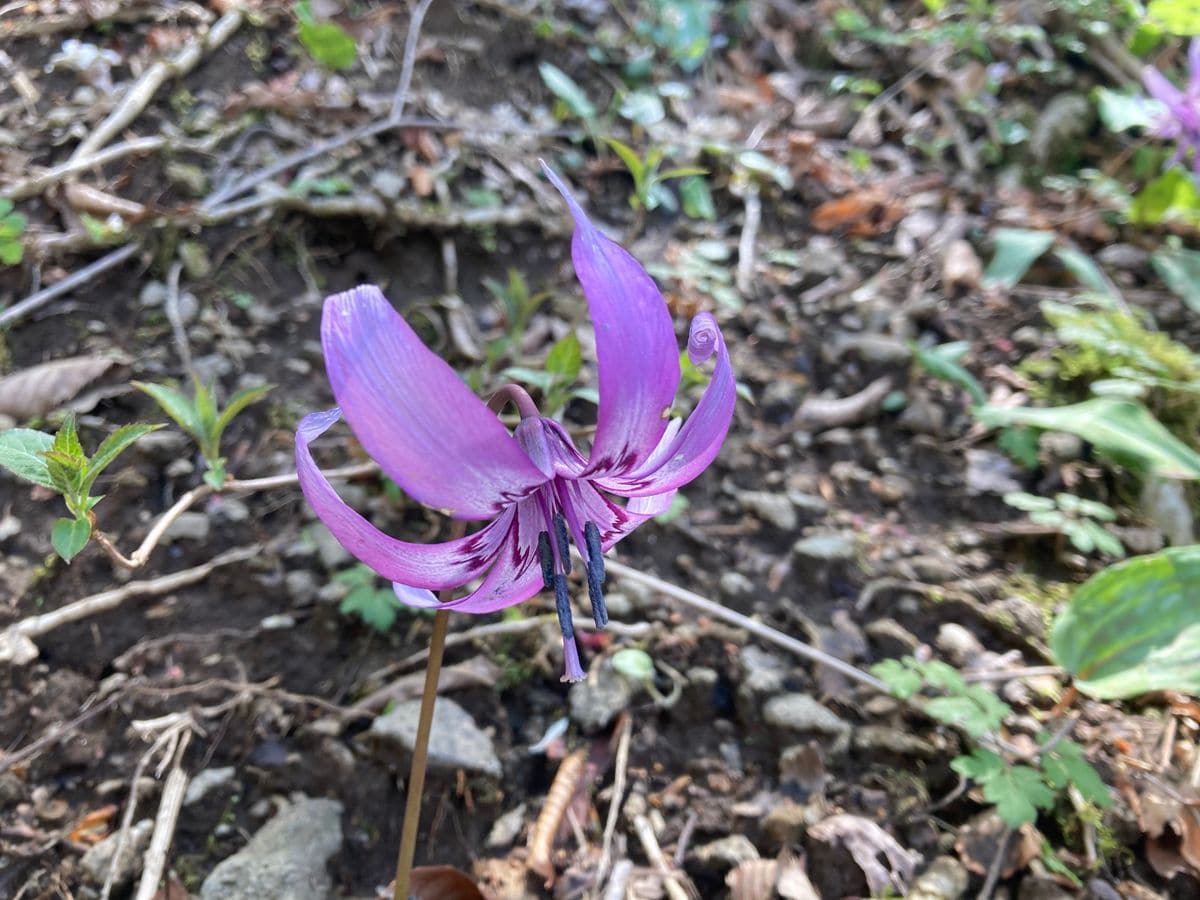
[864,530]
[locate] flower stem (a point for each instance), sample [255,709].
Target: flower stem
[416,775]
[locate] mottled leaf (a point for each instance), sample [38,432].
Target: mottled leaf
[22,453]
[37,390]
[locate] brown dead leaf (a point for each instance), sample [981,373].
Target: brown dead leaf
[864,213]
[1172,828]
[979,842]
[443,883]
[753,879]
[503,878]
[93,827]
[869,845]
[961,267]
[86,198]
[281,94]
[37,390]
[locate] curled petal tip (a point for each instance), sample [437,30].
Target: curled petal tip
[577,213]
[704,336]
[418,598]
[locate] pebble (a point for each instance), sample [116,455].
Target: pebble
[332,554]
[230,509]
[772,508]
[733,585]
[873,348]
[388,184]
[600,699]
[96,862]
[153,293]
[958,644]
[506,828]
[285,859]
[892,638]
[922,415]
[990,473]
[945,879]
[277,622]
[190,526]
[893,740]
[12,790]
[802,712]
[10,525]
[206,782]
[455,741]
[787,822]
[827,546]
[1033,887]
[725,853]
[301,586]
[808,503]
[763,672]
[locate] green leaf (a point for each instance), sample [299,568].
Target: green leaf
[329,44]
[1134,627]
[205,404]
[69,536]
[943,676]
[1179,268]
[1171,194]
[902,680]
[976,712]
[1028,502]
[66,441]
[643,107]
[1016,250]
[634,664]
[1018,793]
[1021,444]
[1122,429]
[112,447]
[1085,270]
[1066,764]
[238,402]
[11,252]
[563,87]
[981,765]
[22,452]
[175,405]
[697,198]
[375,606]
[565,358]
[1180,17]
[942,362]
[1120,112]
[629,156]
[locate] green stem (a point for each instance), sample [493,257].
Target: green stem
[416,776]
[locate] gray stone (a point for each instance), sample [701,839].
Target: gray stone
[96,861]
[332,554]
[190,526]
[733,585]
[826,546]
[206,782]
[10,525]
[285,860]
[772,508]
[809,503]
[231,509]
[455,742]
[388,185]
[725,853]
[923,416]
[873,348]
[990,473]
[12,790]
[801,712]
[945,879]
[893,740]
[154,293]
[598,700]
[301,585]
[763,672]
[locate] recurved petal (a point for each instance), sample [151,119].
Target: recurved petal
[700,438]
[415,416]
[636,351]
[515,575]
[1161,89]
[436,566]
[1194,67]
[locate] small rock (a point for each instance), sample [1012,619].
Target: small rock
[1033,887]
[801,712]
[301,586]
[180,468]
[10,525]
[1124,256]
[774,509]
[153,293]
[12,790]
[277,622]
[1027,337]
[206,782]
[332,554]
[893,740]
[826,546]
[873,348]
[388,184]
[96,862]
[891,489]
[1166,503]
[194,256]
[808,503]
[961,268]
[724,853]
[892,638]
[922,415]
[958,644]
[1061,446]
[1060,129]
[230,509]
[945,879]
[787,822]
[598,700]
[190,526]
[455,741]
[764,673]
[990,473]
[733,585]
[506,828]
[285,859]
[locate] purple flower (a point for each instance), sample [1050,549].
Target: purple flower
[447,449]
[1180,121]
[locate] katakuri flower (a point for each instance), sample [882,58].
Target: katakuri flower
[1180,119]
[445,447]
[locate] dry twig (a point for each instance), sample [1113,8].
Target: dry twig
[77,279]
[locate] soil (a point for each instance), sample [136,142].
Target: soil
[707,766]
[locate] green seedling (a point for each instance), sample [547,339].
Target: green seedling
[198,416]
[326,42]
[649,188]
[556,381]
[60,464]
[12,229]
[1079,521]
[376,606]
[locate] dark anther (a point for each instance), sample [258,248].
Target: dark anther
[547,558]
[564,545]
[562,605]
[595,556]
[596,595]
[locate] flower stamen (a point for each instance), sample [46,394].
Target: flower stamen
[546,555]
[595,573]
[564,543]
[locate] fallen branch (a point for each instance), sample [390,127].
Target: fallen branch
[16,641]
[71,282]
[141,93]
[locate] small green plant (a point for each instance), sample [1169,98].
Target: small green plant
[556,380]
[572,99]
[12,228]
[1078,520]
[60,464]
[198,416]
[326,42]
[1017,788]
[649,184]
[376,606]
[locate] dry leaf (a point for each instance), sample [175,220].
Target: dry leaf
[93,827]
[36,391]
[865,213]
[1172,828]
[443,883]
[961,267]
[979,842]
[867,842]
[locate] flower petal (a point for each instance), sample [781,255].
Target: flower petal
[1194,67]
[516,574]
[701,436]
[415,416]
[1158,87]
[636,352]
[436,566]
